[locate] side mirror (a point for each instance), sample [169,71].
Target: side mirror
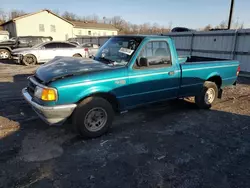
[143,62]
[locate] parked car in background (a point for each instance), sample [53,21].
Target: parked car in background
[74,42]
[90,48]
[20,42]
[42,53]
[181,29]
[4,35]
[127,72]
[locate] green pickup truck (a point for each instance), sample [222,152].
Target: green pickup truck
[127,72]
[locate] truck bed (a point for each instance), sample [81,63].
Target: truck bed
[192,59]
[202,59]
[196,70]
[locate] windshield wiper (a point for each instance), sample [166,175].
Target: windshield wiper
[105,59]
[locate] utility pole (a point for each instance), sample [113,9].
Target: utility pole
[230,15]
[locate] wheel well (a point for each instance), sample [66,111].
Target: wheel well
[29,54]
[78,54]
[217,80]
[4,48]
[109,97]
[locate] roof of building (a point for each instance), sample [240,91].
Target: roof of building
[82,24]
[26,15]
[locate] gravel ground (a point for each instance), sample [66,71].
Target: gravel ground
[170,144]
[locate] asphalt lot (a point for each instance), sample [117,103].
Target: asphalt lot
[171,144]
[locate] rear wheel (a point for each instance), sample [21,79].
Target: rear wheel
[93,117]
[4,54]
[207,96]
[29,59]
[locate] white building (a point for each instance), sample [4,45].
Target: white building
[46,23]
[4,35]
[93,29]
[42,23]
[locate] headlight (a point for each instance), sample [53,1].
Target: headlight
[46,94]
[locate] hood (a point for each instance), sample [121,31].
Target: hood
[19,50]
[61,67]
[7,42]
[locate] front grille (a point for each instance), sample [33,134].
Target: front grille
[31,88]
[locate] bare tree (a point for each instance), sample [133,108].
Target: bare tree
[237,25]
[70,16]
[207,28]
[134,29]
[118,22]
[93,18]
[222,25]
[3,16]
[16,13]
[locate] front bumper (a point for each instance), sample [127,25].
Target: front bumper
[50,114]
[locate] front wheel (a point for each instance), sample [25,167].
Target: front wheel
[4,54]
[207,96]
[93,117]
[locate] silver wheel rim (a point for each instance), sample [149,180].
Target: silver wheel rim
[29,60]
[210,96]
[95,119]
[4,54]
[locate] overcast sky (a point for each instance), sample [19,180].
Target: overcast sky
[188,13]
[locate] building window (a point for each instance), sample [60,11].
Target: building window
[41,28]
[113,33]
[89,32]
[99,33]
[52,28]
[79,32]
[104,33]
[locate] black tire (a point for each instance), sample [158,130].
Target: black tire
[29,59]
[77,55]
[4,54]
[83,112]
[201,100]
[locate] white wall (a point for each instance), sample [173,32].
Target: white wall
[30,26]
[93,32]
[4,37]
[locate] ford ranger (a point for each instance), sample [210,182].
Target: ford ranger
[127,71]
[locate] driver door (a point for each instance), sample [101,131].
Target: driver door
[156,81]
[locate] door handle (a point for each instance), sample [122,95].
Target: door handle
[171,73]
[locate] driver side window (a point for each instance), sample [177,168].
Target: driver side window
[154,54]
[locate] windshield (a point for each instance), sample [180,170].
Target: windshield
[118,50]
